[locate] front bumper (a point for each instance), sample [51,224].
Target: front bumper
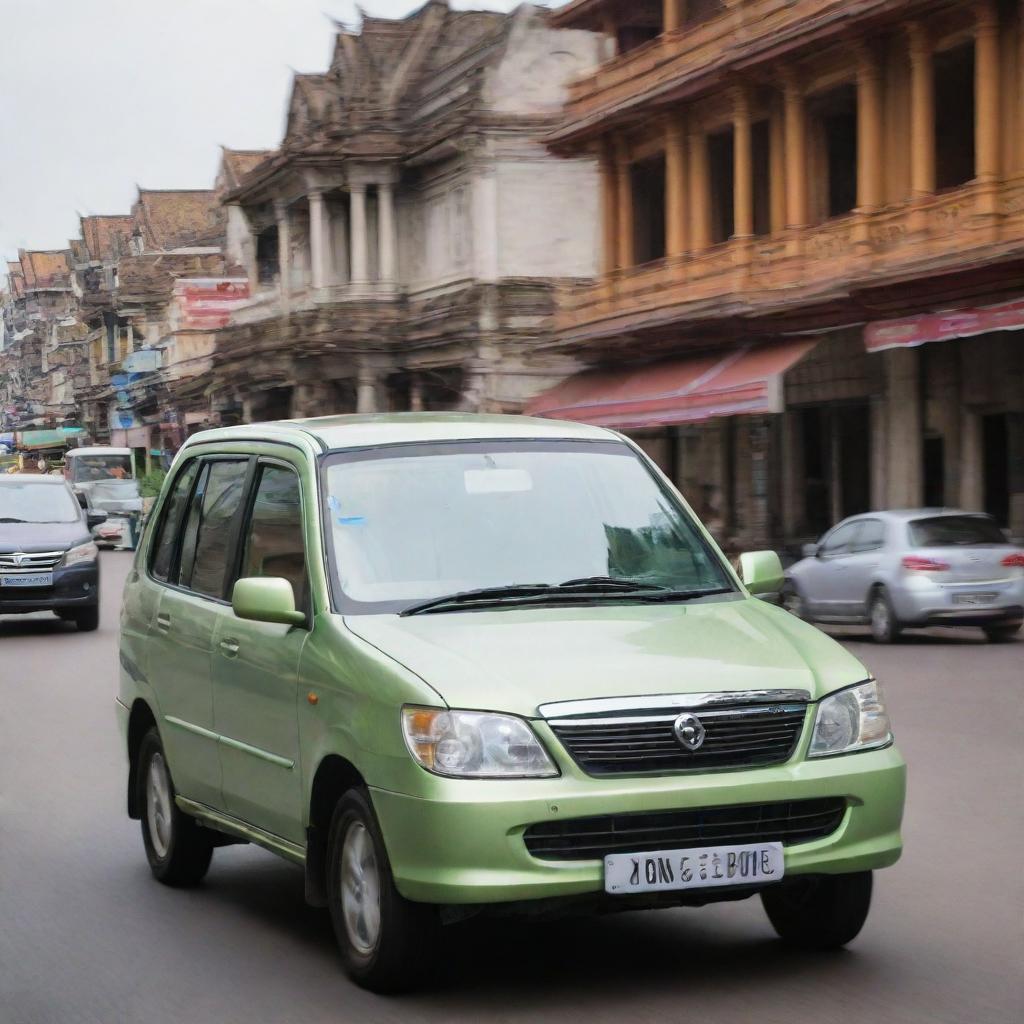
[465,845]
[76,587]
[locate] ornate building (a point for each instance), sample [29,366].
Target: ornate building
[813,253]
[403,244]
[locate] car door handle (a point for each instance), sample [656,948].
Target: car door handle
[163,623]
[229,645]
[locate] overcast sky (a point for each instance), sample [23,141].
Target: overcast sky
[98,96]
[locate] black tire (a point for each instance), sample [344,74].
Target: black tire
[793,601]
[400,954]
[180,855]
[885,626]
[1002,633]
[819,912]
[88,619]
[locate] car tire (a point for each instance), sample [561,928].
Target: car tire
[793,601]
[177,847]
[820,912]
[88,619]
[1001,634]
[388,943]
[885,626]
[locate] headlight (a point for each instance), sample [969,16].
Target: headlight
[474,744]
[82,553]
[852,719]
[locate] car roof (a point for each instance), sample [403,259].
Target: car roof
[72,453]
[335,433]
[908,514]
[36,478]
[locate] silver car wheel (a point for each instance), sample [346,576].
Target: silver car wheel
[793,602]
[360,889]
[158,805]
[881,623]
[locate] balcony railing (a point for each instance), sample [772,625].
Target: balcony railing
[735,38]
[943,231]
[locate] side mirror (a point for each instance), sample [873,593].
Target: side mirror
[94,518]
[266,599]
[761,572]
[810,550]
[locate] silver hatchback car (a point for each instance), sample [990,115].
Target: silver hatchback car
[919,567]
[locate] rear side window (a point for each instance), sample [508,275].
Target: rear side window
[953,531]
[209,533]
[273,541]
[170,524]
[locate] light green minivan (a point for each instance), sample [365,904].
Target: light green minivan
[460,664]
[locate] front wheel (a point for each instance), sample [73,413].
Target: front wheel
[177,847]
[793,601]
[1001,634]
[88,619]
[885,627]
[387,942]
[821,912]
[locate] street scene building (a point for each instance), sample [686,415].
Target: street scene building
[813,255]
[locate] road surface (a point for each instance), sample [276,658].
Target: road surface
[87,937]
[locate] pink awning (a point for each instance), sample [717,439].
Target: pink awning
[746,380]
[912,331]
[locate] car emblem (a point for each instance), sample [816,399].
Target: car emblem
[689,731]
[20,559]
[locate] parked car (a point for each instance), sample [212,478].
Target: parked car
[48,560]
[457,664]
[914,568]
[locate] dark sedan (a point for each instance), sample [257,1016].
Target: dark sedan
[48,559]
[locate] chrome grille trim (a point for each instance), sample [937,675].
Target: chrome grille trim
[665,702]
[31,561]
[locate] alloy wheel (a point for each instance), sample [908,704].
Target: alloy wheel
[360,889]
[158,805]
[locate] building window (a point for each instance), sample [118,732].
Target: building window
[761,146]
[268,260]
[647,178]
[954,116]
[834,150]
[720,167]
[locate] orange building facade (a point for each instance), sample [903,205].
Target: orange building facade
[813,254]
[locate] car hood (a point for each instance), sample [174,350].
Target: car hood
[42,536]
[516,659]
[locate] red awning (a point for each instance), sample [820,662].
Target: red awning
[746,380]
[912,331]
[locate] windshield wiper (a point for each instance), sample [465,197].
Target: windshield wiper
[569,590]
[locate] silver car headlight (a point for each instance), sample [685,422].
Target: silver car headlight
[87,552]
[474,744]
[850,720]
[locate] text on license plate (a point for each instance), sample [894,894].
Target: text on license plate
[28,579]
[699,868]
[975,598]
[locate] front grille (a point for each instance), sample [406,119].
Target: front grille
[795,821]
[35,561]
[736,737]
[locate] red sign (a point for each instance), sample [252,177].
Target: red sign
[952,323]
[206,303]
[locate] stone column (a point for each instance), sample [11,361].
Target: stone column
[869,129]
[986,91]
[415,394]
[700,192]
[625,205]
[904,427]
[922,110]
[671,15]
[743,164]
[284,246]
[366,388]
[359,261]
[972,482]
[609,207]
[796,152]
[675,187]
[879,467]
[386,227]
[319,240]
[793,475]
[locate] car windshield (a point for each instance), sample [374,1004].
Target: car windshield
[953,531]
[86,468]
[422,522]
[32,502]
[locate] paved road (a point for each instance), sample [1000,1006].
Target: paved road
[86,936]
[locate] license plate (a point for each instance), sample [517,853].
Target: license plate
[973,598]
[702,868]
[28,579]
